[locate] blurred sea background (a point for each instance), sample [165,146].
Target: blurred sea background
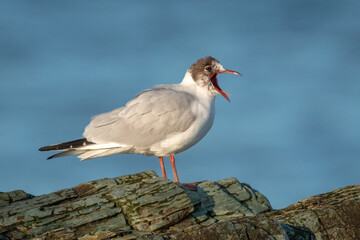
[291,130]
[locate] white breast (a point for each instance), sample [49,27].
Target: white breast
[204,109]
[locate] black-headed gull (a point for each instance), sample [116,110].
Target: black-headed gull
[161,121]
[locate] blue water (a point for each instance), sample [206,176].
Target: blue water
[291,130]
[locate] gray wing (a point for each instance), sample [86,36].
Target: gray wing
[148,118]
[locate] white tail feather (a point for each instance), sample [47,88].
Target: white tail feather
[91,154]
[66,153]
[101,146]
[95,150]
[105,152]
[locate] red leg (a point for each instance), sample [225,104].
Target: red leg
[172,160]
[162,167]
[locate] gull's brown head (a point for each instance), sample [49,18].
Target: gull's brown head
[204,72]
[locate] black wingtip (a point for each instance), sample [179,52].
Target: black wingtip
[42,149]
[66,145]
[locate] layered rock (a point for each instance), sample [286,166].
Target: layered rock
[144,206]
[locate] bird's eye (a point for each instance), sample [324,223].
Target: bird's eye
[208,68]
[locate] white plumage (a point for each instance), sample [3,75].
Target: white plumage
[161,121]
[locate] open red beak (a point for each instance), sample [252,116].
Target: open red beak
[216,85]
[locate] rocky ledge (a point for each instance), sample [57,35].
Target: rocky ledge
[144,206]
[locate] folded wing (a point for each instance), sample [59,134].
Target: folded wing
[145,120]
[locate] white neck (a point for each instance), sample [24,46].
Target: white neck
[188,81]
